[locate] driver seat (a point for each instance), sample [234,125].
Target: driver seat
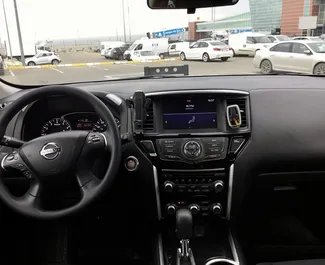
[296,262]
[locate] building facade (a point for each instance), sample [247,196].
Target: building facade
[265,14]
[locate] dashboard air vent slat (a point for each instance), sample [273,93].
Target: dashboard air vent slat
[241,102]
[148,125]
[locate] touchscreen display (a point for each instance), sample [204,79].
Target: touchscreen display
[196,112]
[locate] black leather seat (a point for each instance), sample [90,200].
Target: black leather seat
[297,262]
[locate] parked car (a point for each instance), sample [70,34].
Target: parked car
[117,53]
[159,46]
[2,68]
[306,57]
[174,49]
[206,51]
[43,58]
[278,38]
[144,56]
[247,43]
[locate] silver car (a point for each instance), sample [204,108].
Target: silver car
[43,58]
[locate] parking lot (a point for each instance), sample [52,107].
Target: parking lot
[74,68]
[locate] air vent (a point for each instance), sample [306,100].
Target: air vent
[241,102]
[148,125]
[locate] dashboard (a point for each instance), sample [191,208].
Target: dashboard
[192,142]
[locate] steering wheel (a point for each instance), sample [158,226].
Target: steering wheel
[60,156]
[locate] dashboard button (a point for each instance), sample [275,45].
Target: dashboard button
[216,156]
[172,157]
[148,145]
[236,143]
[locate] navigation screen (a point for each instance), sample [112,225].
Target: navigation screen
[197,112]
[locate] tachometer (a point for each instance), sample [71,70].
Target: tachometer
[55,125]
[100,125]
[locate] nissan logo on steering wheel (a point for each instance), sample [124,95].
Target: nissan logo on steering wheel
[50,151]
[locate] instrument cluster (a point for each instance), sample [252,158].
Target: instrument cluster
[88,121]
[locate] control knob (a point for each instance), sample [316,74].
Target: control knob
[194,208]
[218,186]
[171,208]
[217,208]
[169,186]
[192,149]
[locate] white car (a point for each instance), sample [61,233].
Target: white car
[206,51]
[43,58]
[144,56]
[278,38]
[306,57]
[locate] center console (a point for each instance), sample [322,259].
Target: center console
[193,140]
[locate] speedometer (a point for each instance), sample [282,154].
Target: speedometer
[55,125]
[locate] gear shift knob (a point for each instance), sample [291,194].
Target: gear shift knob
[184,224]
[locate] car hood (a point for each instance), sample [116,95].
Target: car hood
[30,58]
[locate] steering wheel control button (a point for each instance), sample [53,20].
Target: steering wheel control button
[93,138]
[236,144]
[50,151]
[131,163]
[192,149]
[10,157]
[28,174]
[149,147]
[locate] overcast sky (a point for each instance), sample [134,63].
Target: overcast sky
[53,19]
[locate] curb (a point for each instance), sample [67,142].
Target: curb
[20,67]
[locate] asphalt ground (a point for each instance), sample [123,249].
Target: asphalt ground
[68,74]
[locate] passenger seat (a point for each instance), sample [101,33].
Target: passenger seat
[297,262]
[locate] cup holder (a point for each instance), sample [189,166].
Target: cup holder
[220,261]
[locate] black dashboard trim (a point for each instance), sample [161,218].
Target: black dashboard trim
[196,91]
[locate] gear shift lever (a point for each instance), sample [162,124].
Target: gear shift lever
[184,227]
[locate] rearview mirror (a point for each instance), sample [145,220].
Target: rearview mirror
[308,52]
[188,4]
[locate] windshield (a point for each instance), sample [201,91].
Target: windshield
[283,38]
[318,47]
[103,40]
[132,46]
[261,39]
[217,43]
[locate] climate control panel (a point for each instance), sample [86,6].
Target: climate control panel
[203,192]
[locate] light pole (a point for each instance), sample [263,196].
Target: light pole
[123,20]
[22,56]
[129,23]
[8,36]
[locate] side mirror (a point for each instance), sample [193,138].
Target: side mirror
[307,52]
